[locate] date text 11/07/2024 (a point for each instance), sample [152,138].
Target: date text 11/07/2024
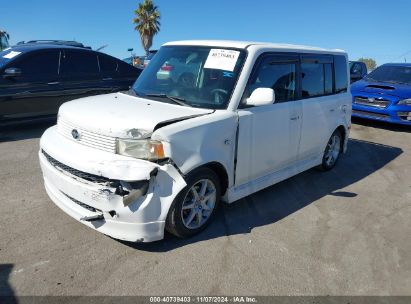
[205,299]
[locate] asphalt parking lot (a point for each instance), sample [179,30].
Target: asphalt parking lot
[343,232]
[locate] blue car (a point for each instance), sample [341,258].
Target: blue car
[384,94]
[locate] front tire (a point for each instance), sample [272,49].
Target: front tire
[332,151]
[195,206]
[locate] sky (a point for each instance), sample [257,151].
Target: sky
[379,29]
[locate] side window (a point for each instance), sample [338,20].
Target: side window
[127,70]
[79,64]
[356,68]
[278,74]
[41,66]
[316,76]
[340,70]
[108,66]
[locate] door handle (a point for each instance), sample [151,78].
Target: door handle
[108,78]
[53,83]
[295,118]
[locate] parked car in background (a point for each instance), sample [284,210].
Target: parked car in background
[38,76]
[128,60]
[136,61]
[384,94]
[148,58]
[163,155]
[358,70]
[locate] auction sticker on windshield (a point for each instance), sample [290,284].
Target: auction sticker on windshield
[222,59]
[11,55]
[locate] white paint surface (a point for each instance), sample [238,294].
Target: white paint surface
[270,143]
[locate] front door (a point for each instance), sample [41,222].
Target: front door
[35,91]
[269,136]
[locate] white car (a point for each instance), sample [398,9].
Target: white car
[164,155]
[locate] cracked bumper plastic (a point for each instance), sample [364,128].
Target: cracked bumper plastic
[143,220]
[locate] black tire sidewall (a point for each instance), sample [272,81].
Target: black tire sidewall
[174,221]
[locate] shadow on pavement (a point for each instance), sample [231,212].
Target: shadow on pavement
[381,125]
[25,130]
[6,291]
[276,202]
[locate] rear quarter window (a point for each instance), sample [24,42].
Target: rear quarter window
[108,65]
[340,70]
[127,70]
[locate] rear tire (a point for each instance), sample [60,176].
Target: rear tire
[195,206]
[332,151]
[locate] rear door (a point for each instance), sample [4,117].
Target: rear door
[319,104]
[80,74]
[36,91]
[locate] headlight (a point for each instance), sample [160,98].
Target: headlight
[141,148]
[405,102]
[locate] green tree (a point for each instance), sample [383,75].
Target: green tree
[369,62]
[147,23]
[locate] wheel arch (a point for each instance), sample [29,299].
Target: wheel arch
[221,172]
[343,131]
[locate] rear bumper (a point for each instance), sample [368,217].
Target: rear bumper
[143,220]
[389,114]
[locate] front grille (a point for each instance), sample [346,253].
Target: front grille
[85,206]
[372,102]
[84,175]
[90,139]
[371,114]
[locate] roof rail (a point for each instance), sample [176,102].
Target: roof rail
[57,42]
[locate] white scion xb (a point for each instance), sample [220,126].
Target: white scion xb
[224,119]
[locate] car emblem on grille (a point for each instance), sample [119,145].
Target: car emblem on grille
[75,134]
[371,99]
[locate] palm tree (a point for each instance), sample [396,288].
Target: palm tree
[147,22]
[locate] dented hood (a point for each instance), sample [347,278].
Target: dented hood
[124,116]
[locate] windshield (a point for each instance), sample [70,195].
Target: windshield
[391,73]
[191,76]
[5,56]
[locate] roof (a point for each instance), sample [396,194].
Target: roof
[43,46]
[246,44]
[401,64]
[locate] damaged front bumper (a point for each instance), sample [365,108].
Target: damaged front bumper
[122,197]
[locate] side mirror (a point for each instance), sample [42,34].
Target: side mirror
[261,97]
[12,72]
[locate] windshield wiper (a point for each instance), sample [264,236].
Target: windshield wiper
[178,100]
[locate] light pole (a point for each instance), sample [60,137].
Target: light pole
[131,54]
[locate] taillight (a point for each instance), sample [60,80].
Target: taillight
[167,68]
